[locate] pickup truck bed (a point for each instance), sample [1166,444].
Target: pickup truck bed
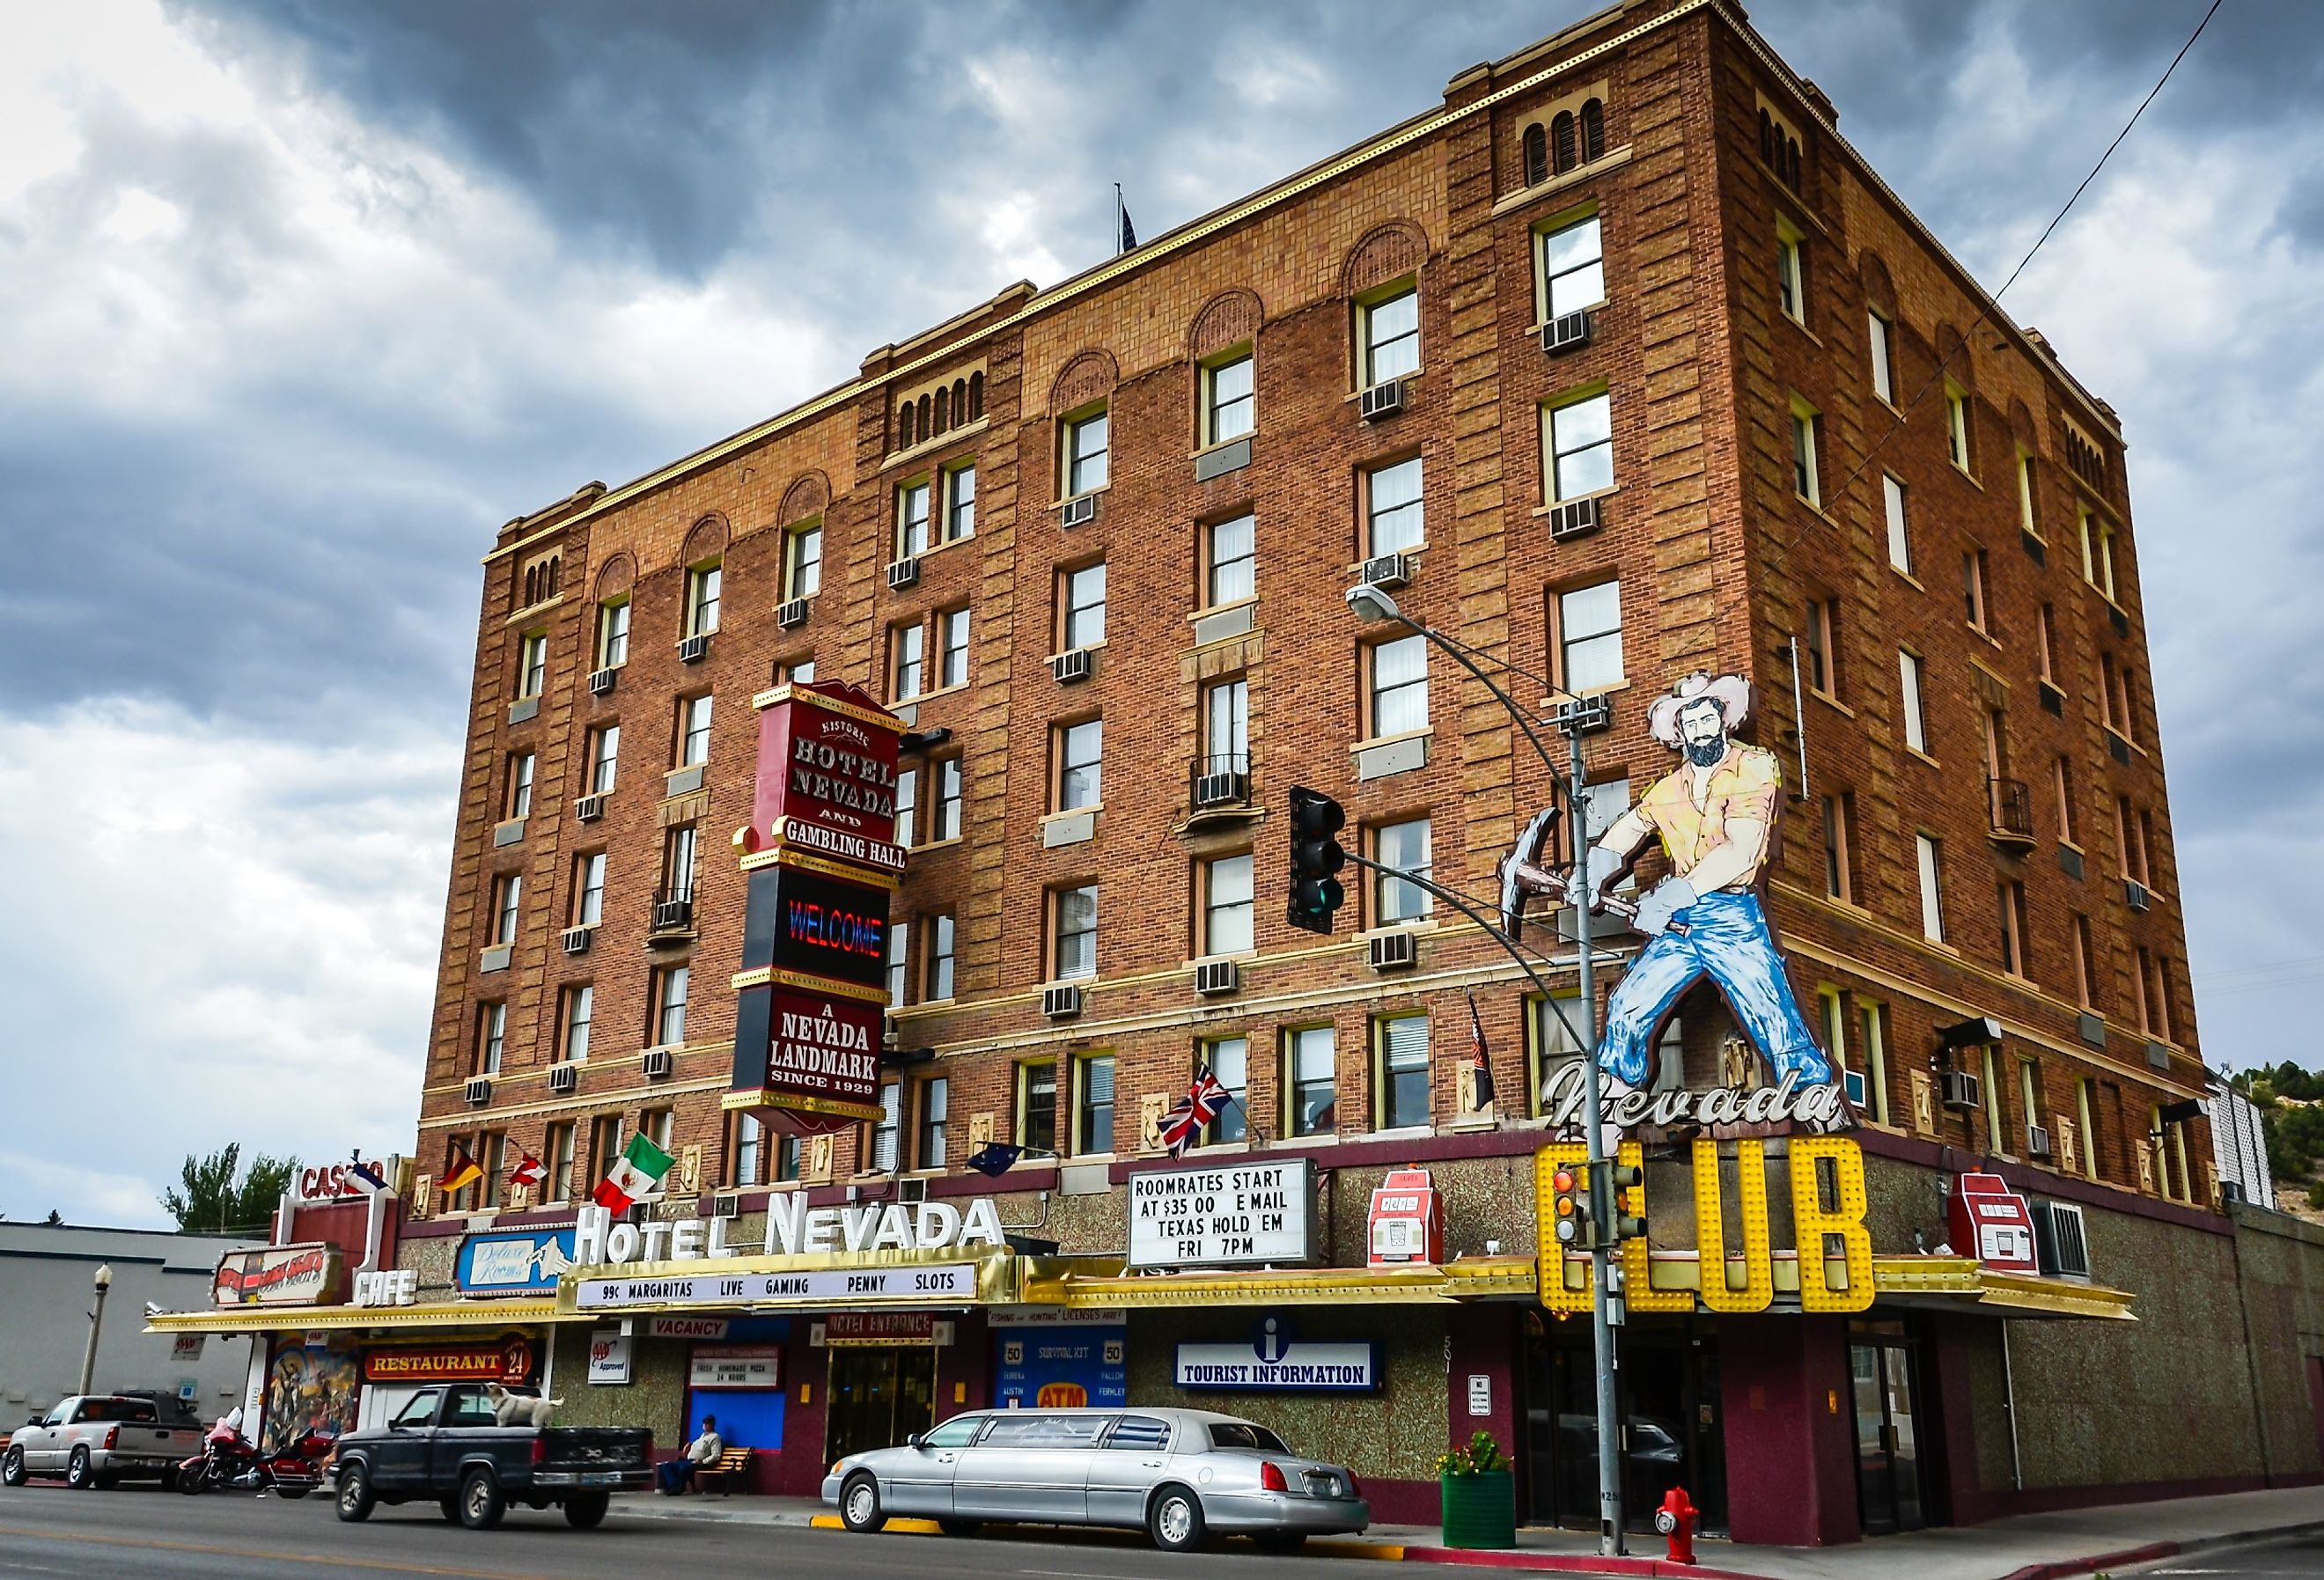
[444,1447]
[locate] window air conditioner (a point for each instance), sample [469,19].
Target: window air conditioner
[2059,1244]
[1565,332]
[1071,666]
[2134,893]
[1220,789]
[1079,513]
[576,940]
[725,1204]
[601,681]
[480,1091]
[902,574]
[1381,401]
[1061,1001]
[1396,951]
[1212,977]
[589,808]
[655,1064]
[672,913]
[694,649]
[1962,1090]
[1573,519]
[790,616]
[1389,571]
[564,1076]
[2037,1140]
[910,1192]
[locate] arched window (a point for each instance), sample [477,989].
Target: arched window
[975,397]
[1561,138]
[1767,139]
[1593,131]
[1792,162]
[550,591]
[531,582]
[944,410]
[927,417]
[1536,156]
[904,427]
[960,401]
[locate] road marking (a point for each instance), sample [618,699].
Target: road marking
[338,1559]
[1069,1573]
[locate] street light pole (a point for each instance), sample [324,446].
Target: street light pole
[103,1281]
[1371,603]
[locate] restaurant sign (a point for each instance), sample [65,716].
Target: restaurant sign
[506,1360]
[280,1275]
[1240,1215]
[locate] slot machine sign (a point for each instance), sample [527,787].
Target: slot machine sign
[1993,1224]
[1406,1225]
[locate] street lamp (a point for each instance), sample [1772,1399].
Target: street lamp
[1371,603]
[103,1281]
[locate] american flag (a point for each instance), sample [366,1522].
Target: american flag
[1199,1107]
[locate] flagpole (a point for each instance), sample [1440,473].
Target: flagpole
[1117,219]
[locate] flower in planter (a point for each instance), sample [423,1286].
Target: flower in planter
[1480,1455]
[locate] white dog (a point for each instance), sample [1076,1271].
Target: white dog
[519,1409]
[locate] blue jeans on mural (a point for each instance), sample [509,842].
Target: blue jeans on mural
[1727,940]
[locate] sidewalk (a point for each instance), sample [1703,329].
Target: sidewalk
[2033,1546]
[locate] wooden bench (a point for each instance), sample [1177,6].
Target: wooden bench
[732,1463]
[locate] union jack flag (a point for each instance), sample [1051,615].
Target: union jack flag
[1183,1124]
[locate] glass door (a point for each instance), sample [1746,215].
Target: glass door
[1669,1403]
[1888,1474]
[877,1398]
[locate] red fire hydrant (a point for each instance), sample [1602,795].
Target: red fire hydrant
[1675,1520]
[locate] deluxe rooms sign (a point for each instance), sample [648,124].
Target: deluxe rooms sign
[1238,1215]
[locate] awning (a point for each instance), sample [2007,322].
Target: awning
[1470,1278]
[487,1315]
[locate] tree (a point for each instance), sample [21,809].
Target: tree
[214,1202]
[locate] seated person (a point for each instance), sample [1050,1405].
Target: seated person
[678,1474]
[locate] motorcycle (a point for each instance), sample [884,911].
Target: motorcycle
[230,1460]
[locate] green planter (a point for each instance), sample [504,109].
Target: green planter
[1481,1511]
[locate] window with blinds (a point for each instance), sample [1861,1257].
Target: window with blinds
[1094,1084]
[1403,1083]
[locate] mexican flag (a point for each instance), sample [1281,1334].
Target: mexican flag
[636,1175]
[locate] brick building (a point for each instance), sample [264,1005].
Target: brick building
[1678,384]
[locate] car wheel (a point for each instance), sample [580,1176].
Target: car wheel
[960,1527]
[859,1504]
[481,1503]
[355,1498]
[1280,1542]
[12,1466]
[78,1474]
[587,1511]
[1175,1520]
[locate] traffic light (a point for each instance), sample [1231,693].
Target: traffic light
[1576,1230]
[1316,855]
[1626,1179]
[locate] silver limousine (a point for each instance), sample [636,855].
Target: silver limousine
[1176,1473]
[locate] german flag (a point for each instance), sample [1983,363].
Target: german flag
[460,1170]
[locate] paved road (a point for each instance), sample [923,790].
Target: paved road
[140,1532]
[2302,1557]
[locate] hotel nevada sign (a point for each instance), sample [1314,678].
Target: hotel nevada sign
[826,779]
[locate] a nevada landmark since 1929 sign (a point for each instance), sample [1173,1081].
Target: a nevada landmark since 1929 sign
[824,1053]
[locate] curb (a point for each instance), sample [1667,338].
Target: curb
[2071,1568]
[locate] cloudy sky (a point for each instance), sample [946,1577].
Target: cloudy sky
[299,302]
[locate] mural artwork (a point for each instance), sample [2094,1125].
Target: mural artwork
[310,1390]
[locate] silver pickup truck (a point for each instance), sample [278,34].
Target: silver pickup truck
[96,1439]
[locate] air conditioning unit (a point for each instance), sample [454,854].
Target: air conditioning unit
[564,1076]
[2134,893]
[790,616]
[655,1064]
[576,940]
[1565,332]
[480,1091]
[2037,1140]
[902,574]
[1070,667]
[694,649]
[1220,789]
[1212,977]
[1061,1001]
[911,1192]
[1389,571]
[1573,519]
[1396,951]
[589,808]
[1381,401]
[2059,1244]
[601,681]
[1079,513]
[672,913]
[1962,1090]
[725,1204]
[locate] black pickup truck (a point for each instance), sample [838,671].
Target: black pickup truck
[445,1445]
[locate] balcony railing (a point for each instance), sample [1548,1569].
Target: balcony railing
[2013,811]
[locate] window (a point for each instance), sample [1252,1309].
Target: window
[613,634]
[1883,337]
[678,850]
[908,807]
[654,1124]
[2097,552]
[589,888]
[1228,1058]
[1930,851]
[1393,517]
[1081,758]
[1838,816]
[507,891]
[532,664]
[1536,145]
[1084,606]
[1036,1106]
[2115,684]
[750,1138]
[2045,645]
[520,785]
[492,1154]
[1228,906]
[1407,848]
[1821,617]
[1570,264]
[702,584]
[1085,455]
[669,988]
[1589,638]
[491,1036]
[899,950]
[1227,400]
[786,1158]
[1399,686]
[952,647]
[942,950]
[951,800]
[2130,839]
[2086,965]
[912,520]
[2027,521]
[605,1144]
[2010,897]
[2029,1096]
[887,1128]
[1900,542]
[1402,1083]
[1872,1021]
[1093,1104]
[1226,727]
[931,1106]
[2062,780]
[1973,601]
[694,731]
[907,646]
[803,561]
[798,674]
[1075,928]
[1791,279]
[604,750]
[1232,559]
[1956,424]
[1309,1073]
[558,1186]
[577,1005]
[1908,676]
[1390,336]
[960,503]
[1579,439]
[1551,1045]
[1806,426]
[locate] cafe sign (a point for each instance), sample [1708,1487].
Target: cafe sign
[1235,1216]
